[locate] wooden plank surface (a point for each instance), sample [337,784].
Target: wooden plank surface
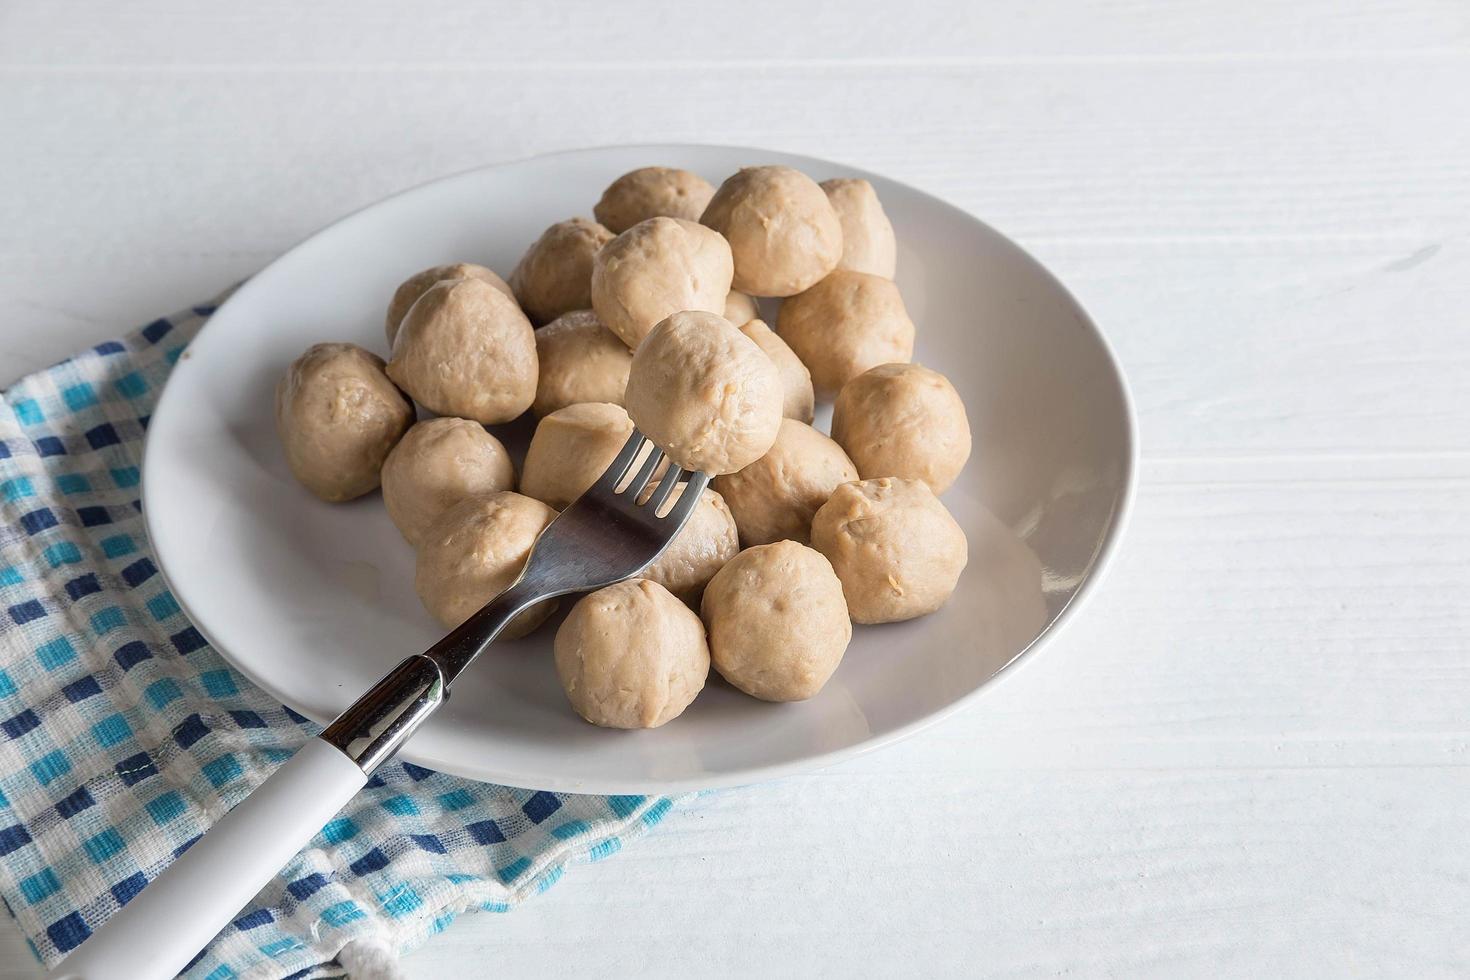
[1225,251]
[381,35]
[1248,757]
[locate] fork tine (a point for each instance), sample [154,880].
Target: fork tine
[619,466]
[645,473]
[665,489]
[689,499]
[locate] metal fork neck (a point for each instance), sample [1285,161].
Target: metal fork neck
[468,640]
[378,723]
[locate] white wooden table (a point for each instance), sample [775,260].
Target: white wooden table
[1250,754]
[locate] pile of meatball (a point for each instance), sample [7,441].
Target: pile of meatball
[648,317]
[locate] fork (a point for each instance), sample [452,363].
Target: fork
[611,533]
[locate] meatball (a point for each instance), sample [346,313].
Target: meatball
[571,448]
[845,324]
[776,496]
[704,393]
[631,656]
[868,244]
[896,549]
[740,308]
[581,361]
[659,267]
[466,350]
[338,415]
[700,549]
[797,401]
[555,274]
[783,232]
[903,420]
[474,551]
[438,463]
[777,621]
[417,284]
[652,192]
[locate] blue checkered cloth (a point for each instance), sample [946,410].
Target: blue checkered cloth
[123,735]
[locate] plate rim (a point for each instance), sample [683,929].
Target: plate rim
[1102,562]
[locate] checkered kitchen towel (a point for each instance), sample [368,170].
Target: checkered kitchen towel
[123,735]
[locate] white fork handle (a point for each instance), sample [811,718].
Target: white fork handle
[179,912]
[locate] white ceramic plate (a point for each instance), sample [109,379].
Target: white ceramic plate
[315,601]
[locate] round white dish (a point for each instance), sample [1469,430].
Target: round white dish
[315,601]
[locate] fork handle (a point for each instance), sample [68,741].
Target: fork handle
[157,933]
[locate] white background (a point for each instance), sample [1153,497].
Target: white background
[1249,755]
